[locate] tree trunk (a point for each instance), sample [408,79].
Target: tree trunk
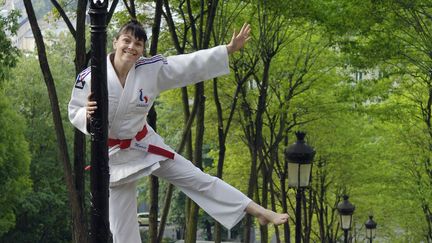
[264,199]
[191,207]
[80,229]
[154,181]
[79,137]
[192,224]
[249,134]
[273,202]
[153,216]
[257,141]
[186,139]
[222,149]
[75,185]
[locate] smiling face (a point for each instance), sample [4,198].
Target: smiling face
[128,48]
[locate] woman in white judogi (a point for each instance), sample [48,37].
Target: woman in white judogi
[136,150]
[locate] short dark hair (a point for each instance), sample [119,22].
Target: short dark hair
[135,28]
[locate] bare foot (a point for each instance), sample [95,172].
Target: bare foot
[266,216]
[269,216]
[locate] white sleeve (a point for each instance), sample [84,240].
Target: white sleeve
[181,70]
[77,105]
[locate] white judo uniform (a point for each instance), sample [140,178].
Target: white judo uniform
[128,109]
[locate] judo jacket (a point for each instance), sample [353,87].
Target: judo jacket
[129,105]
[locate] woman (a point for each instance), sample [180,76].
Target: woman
[136,150]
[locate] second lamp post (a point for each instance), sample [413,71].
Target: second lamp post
[299,157]
[346,210]
[370,228]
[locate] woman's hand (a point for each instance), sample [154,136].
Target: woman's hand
[239,40]
[91,106]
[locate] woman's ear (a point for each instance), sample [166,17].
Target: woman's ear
[114,43]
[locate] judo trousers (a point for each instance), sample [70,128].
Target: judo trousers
[221,201]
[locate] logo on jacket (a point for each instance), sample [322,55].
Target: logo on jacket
[80,84]
[144,99]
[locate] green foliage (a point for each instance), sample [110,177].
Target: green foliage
[14,164]
[8,53]
[28,92]
[395,104]
[370,131]
[14,149]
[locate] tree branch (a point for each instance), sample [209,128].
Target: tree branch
[65,18]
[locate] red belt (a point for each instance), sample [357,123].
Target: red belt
[125,143]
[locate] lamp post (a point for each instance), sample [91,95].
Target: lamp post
[299,156]
[370,228]
[99,174]
[346,210]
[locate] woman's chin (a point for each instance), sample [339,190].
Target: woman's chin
[130,59]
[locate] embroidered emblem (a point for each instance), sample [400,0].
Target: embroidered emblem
[80,84]
[144,99]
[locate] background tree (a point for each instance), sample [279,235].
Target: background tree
[14,164]
[198,18]
[15,156]
[390,41]
[355,75]
[48,192]
[74,179]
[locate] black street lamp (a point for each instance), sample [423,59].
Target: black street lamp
[346,210]
[299,156]
[370,228]
[99,174]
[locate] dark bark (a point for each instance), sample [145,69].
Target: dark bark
[65,18]
[79,137]
[192,222]
[154,181]
[264,199]
[326,214]
[273,207]
[261,107]
[187,116]
[130,6]
[269,46]
[208,230]
[248,129]
[80,229]
[256,138]
[154,208]
[222,149]
[181,146]
[73,180]
[186,138]
[197,36]
[197,43]
[111,10]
